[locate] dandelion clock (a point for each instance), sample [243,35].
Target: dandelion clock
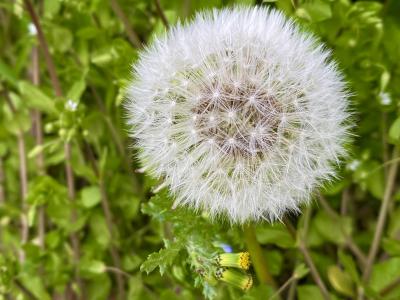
[239,112]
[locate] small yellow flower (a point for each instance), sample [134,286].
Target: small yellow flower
[236,278]
[237,260]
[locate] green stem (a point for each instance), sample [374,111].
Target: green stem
[257,257]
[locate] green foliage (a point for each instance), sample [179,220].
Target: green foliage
[103,234]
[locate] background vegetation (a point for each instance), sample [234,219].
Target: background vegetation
[76,221]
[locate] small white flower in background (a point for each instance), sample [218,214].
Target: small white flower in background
[385,98]
[241,113]
[32,29]
[71,105]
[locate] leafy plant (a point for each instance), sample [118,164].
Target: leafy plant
[78,222]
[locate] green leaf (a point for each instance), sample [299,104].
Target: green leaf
[350,266]
[383,273]
[162,259]
[316,11]
[93,267]
[75,92]
[332,229]
[394,131]
[36,98]
[62,38]
[308,292]
[7,74]
[35,285]
[341,281]
[99,229]
[391,246]
[276,234]
[300,271]
[90,196]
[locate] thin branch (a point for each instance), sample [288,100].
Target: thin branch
[362,259]
[257,256]
[390,183]
[306,254]
[120,146]
[390,287]
[283,287]
[2,182]
[45,48]
[67,147]
[118,271]
[38,134]
[24,289]
[109,222]
[161,14]
[132,35]
[23,176]
[344,202]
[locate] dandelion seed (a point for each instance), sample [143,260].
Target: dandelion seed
[270,124]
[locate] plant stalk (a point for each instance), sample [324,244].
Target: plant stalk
[390,183]
[257,257]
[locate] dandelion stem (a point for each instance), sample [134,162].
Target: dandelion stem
[257,258]
[390,183]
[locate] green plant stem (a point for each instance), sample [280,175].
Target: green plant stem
[283,287]
[257,257]
[390,183]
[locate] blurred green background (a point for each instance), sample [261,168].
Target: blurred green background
[76,220]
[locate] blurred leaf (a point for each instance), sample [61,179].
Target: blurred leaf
[300,271]
[36,98]
[308,292]
[394,131]
[341,281]
[316,11]
[275,234]
[91,196]
[332,229]
[383,273]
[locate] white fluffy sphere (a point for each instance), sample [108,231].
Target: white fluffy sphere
[240,112]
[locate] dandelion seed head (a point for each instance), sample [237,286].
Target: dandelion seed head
[256,113]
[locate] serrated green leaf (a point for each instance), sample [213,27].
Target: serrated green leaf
[162,259]
[36,98]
